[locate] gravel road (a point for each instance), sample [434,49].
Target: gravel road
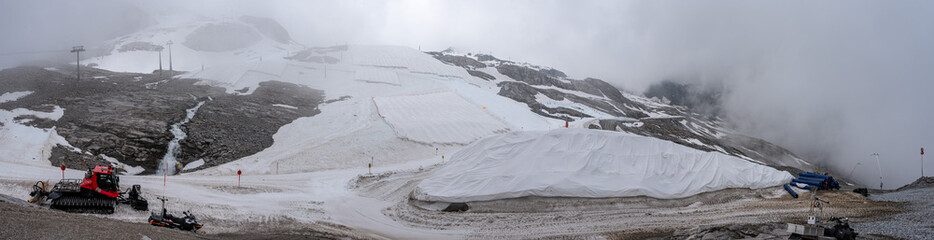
[21,220]
[916,223]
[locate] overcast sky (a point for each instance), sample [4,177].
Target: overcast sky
[832,80]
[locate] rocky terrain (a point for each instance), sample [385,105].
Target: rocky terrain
[915,223]
[230,127]
[617,111]
[127,117]
[704,99]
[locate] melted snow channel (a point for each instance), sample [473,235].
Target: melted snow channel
[169,162]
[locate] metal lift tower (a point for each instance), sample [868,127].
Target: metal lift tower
[77,50]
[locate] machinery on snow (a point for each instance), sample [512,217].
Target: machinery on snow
[186,222]
[98,192]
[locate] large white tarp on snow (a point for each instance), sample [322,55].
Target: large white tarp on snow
[442,117]
[588,163]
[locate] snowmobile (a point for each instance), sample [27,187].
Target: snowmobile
[815,230]
[98,192]
[187,222]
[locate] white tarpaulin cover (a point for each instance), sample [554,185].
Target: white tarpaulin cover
[588,163]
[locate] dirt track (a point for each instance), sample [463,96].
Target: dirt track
[26,222]
[20,220]
[615,218]
[382,208]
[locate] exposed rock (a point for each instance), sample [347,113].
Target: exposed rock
[619,100]
[923,182]
[704,99]
[460,61]
[234,126]
[481,75]
[526,75]
[520,92]
[534,77]
[760,149]
[735,231]
[554,73]
[130,120]
[33,121]
[74,160]
[486,57]
[672,129]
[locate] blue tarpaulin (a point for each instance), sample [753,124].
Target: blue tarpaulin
[813,181]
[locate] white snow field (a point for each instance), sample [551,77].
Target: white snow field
[377,75]
[13,96]
[315,174]
[588,163]
[187,30]
[437,118]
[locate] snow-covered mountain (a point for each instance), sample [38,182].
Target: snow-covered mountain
[258,100]
[593,103]
[356,139]
[197,42]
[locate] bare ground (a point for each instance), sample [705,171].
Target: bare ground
[753,213]
[726,214]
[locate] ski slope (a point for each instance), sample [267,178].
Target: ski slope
[396,109]
[588,163]
[443,118]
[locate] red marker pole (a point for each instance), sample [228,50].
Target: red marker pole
[63,171]
[238,177]
[922,162]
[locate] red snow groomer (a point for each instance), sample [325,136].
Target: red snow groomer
[98,192]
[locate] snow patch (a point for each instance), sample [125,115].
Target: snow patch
[25,144]
[13,96]
[285,106]
[130,170]
[634,124]
[193,165]
[567,103]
